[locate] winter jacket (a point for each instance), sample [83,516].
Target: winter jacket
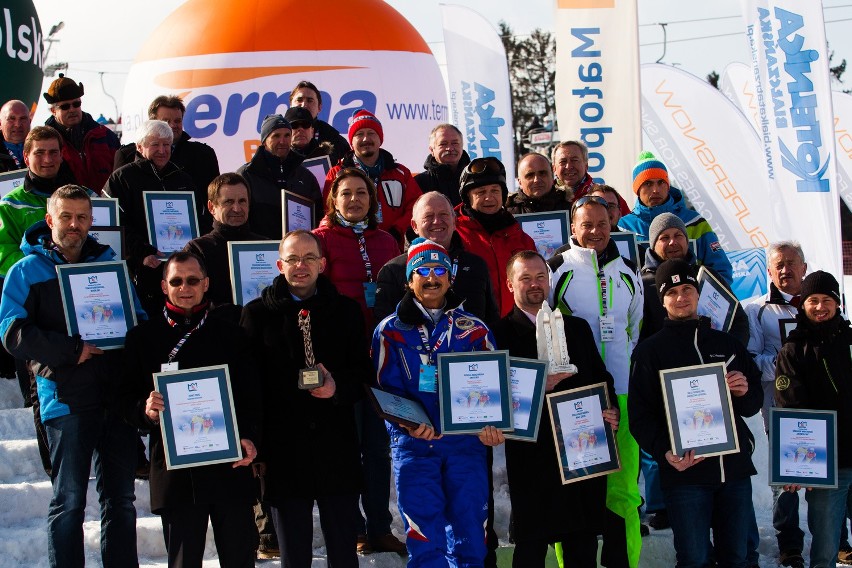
[310,444]
[709,250]
[316,149]
[324,132]
[814,371]
[216,342]
[396,189]
[267,175]
[655,313]
[539,499]
[681,344]
[345,265]
[213,250]
[33,328]
[583,187]
[576,290]
[89,150]
[554,200]
[469,279]
[8,162]
[442,178]
[494,248]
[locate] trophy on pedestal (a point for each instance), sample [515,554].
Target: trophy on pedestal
[550,338]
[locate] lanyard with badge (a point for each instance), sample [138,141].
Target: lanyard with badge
[369,285]
[428,381]
[171,364]
[607,322]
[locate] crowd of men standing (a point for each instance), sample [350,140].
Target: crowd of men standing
[398,269]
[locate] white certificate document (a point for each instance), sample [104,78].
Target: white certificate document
[699,411]
[97,305]
[715,306]
[582,424]
[257,271]
[298,216]
[172,227]
[198,417]
[523,393]
[804,448]
[475,390]
[547,235]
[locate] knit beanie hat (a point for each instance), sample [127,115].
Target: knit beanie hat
[663,222]
[423,251]
[362,118]
[648,167]
[63,89]
[673,273]
[482,171]
[271,123]
[820,282]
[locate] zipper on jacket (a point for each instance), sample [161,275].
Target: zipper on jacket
[695,342]
[830,378]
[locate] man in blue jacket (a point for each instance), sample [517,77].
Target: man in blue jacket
[75,382]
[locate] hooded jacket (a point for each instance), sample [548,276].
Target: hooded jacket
[89,150]
[442,178]
[709,249]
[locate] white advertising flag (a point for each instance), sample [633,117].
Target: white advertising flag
[842,103]
[597,85]
[737,83]
[480,95]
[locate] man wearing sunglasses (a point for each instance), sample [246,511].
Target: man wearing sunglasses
[303,140]
[89,147]
[593,281]
[537,193]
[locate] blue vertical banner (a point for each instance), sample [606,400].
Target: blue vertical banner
[750,276]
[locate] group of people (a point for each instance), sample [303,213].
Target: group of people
[398,269]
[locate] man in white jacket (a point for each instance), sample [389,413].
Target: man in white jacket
[592,281]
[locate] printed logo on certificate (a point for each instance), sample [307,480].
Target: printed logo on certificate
[803,447]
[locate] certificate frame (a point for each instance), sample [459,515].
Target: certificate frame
[92,272]
[171,421]
[534,225]
[110,235]
[718,400]
[292,204]
[785,326]
[240,292]
[10,181]
[398,409]
[448,392]
[781,447]
[110,208]
[188,222]
[535,403]
[572,401]
[630,243]
[709,285]
[319,167]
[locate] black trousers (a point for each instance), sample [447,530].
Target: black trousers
[614,549]
[339,520]
[579,550]
[185,532]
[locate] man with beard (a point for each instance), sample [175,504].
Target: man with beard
[14,127]
[537,194]
[445,162]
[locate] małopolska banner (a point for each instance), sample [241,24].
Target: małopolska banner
[737,83]
[480,94]
[597,85]
[710,150]
[787,42]
[21,53]
[359,54]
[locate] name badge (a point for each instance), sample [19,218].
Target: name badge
[607,328]
[428,378]
[370,293]
[173,366]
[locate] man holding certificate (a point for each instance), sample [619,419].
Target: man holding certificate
[440,480]
[75,383]
[700,493]
[539,499]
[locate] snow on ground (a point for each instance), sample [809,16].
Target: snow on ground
[25,493]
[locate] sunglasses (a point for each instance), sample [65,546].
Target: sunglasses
[425,271]
[66,106]
[480,165]
[191,281]
[303,125]
[586,199]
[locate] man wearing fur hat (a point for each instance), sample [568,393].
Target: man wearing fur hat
[272,168]
[394,183]
[89,148]
[655,196]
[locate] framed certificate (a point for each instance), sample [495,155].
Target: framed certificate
[785,326]
[397,409]
[97,301]
[549,230]
[319,167]
[627,247]
[171,219]
[12,180]
[803,447]
[105,212]
[297,212]
[199,425]
[699,411]
[253,268]
[585,442]
[474,391]
[528,377]
[715,301]
[110,235]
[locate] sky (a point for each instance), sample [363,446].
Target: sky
[103,36]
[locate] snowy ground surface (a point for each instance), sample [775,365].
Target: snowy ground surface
[25,494]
